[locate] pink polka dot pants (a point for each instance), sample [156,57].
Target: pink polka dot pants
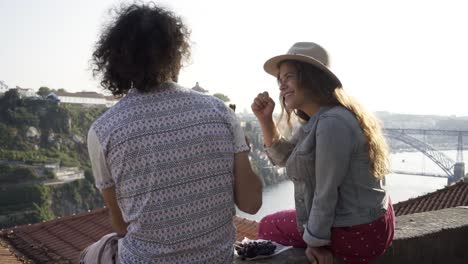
[354,244]
[281,227]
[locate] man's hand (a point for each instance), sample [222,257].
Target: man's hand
[319,255]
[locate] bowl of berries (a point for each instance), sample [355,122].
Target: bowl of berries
[256,249]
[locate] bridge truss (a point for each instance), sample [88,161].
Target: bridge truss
[439,158]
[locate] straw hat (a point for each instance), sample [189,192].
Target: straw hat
[307,52]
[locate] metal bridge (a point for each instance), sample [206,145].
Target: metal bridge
[454,170]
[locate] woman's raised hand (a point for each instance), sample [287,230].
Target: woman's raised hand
[263,107]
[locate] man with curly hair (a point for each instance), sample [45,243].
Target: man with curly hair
[171,163]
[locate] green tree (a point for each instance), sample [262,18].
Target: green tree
[4,135]
[43,91]
[222,97]
[49,174]
[42,213]
[88,173]
[20,116]
[12,174]
[10,99]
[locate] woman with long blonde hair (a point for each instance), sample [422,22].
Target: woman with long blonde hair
[337,161]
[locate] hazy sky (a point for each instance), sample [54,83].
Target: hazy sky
[403,56]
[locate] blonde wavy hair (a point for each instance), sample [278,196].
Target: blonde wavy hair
[329,92]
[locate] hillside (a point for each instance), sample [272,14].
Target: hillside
[34,134]
[41,131]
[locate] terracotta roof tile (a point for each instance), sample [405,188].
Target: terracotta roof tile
[245,228]
[6,256]
[451,196]
[61,240]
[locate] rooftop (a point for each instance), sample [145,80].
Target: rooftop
[6,256]
[448,197]
[61,240]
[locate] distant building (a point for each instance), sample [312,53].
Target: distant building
[111,100]
[85,98]
[199,89]
[51,166]
[68,174]
[26,92]
[3,87]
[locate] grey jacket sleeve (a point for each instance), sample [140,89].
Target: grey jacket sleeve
[333,153]
[279,152]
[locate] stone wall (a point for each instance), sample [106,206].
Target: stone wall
[430,237]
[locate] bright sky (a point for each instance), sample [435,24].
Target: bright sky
[401,56]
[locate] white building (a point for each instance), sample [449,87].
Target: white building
[111,100]
[67,174]
[22,92]
[26,92]
[85,98]
[3,87]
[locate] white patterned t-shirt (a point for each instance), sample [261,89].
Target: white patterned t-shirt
[170,156]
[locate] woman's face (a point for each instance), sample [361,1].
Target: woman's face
[290,90]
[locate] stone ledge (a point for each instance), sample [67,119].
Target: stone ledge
[422,224]
[430,237]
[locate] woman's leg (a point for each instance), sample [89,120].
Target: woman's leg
[281,227]
[356,244]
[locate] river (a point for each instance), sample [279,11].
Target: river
[400,187]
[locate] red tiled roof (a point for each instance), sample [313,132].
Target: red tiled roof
[245,228]
[61,240]
[6,256]
[451,196]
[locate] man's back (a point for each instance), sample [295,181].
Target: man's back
[170,155]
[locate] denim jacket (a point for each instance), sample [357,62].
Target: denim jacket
[328,161]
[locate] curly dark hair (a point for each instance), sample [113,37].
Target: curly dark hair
[142,47]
